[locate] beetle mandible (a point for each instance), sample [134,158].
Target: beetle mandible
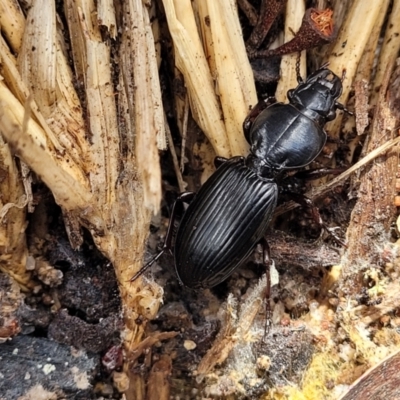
[230,214]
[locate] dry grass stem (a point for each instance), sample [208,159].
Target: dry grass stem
[349,47]
[54,95]
[361,84]
[149,118]
[191,61]
[234,77]
[68,193]
[224,59]
[366,64]
[389,51]
[288,75]
[106,16]
[12,22]
[13,250]
[227,61]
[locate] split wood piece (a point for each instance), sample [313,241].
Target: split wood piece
[379,382]
[374,211]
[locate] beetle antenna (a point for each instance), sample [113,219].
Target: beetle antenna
[268,263]
[324,65]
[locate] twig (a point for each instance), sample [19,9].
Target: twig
[268,13]
[316,29]
[249,10]
[184,131]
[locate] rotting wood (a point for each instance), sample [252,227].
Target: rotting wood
[374,211]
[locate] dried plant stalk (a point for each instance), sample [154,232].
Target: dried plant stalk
[349,47]
[232,71]
[12,22]
[13,250]
[222,57]
[38,67]
[35,143]
[15,111]
[204,25]
[132,212]
[100,103]
[66,119]
[77,40]
[191,61]
[95,183]
[288,75]
[14,82]
[68,193]
[146,121]
[366,64]
[126,203]
[390,50]
[361,83]
[152,65]
[106,16]
[158,384]
[45,71]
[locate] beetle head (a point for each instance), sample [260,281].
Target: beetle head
[319,93]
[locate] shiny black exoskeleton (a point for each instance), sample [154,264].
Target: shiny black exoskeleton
[230,214]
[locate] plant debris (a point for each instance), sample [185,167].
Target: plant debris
[91,94]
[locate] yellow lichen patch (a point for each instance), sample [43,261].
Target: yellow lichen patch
[321,377]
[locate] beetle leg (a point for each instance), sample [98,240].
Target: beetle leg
[185,197]
[306,202]
[254,113]
[317,173]
[300,80]
[218,161]
[267,261]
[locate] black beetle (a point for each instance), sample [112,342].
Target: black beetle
[230,214]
